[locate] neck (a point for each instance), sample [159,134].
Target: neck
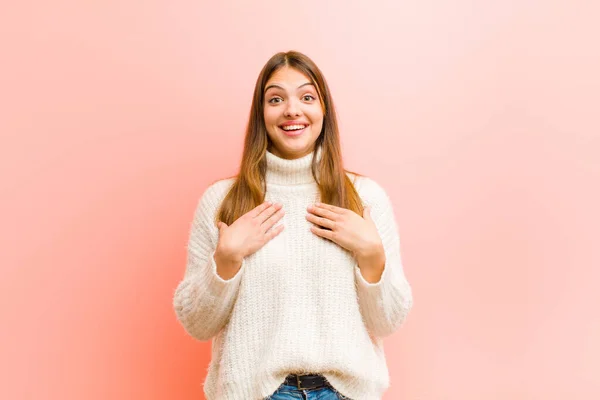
[281,171]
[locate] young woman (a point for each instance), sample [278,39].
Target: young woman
[294,267]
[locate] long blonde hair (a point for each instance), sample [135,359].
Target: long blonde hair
[249,188]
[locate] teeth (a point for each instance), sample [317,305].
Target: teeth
[293,127]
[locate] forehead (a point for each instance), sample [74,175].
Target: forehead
[288,77]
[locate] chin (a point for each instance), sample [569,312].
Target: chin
[294,151]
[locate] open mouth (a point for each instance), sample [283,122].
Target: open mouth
[293,130]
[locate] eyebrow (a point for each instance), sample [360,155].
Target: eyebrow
[277,86]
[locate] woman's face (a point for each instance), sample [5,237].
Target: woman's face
[292,112]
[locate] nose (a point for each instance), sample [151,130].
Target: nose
[292,109]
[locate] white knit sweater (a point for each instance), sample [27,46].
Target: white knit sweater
[297,305]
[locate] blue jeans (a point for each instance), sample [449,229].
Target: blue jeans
[286,392]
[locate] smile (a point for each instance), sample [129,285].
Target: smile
[293,130]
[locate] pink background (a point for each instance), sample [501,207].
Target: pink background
[479,118]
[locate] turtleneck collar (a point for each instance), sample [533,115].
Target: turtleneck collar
[281,171]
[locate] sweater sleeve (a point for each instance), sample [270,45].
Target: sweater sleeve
[203,300]
[385,304]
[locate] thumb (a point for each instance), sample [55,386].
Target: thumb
[367,213]
[221,225]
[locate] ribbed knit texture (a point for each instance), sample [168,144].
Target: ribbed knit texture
[299,304]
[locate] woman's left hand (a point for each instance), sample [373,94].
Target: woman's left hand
[346,228]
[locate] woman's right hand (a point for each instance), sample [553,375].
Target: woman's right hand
[249,232]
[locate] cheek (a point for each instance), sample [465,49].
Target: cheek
[270,117]
[316,117]
[316,111]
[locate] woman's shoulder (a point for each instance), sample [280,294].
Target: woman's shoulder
[366,186]
[221,185]
[374,195]
[216,191]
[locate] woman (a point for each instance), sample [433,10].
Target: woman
[294,266]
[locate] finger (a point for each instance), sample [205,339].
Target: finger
[272,220]
[322,212]
[274,232]
[324,233]
[327,223]
[268,213]
[334,209]
[260,208]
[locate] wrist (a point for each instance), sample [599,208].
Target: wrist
[371,253]
[227,256]
[228,264]
[372,264]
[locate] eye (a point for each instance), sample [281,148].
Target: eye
[274,98]
[311,97]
